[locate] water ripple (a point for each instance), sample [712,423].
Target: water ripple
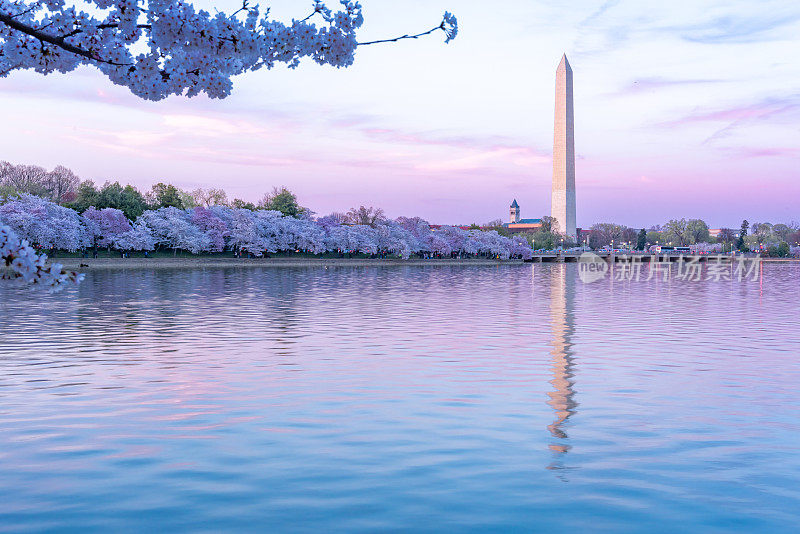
[399,398]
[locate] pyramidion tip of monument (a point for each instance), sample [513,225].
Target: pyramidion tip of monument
[564,61]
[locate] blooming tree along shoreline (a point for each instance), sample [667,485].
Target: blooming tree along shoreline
[159,48]
[216,229]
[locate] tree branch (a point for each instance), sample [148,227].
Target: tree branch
[243,8]
[9,21]
[417,36]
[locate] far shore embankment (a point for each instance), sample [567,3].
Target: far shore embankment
[90,264]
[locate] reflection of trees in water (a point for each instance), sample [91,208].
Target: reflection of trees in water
[122,309]
[562,323]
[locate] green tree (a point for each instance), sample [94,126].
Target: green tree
[782,231]
[676,232]
[783,249]
[641,240]
[7,191]
[128,199]
[549,224]
[762,232]
[543,240]
[282,200]
[242,204]
[165,195]
[132,202]
[697,231]
[726,236]
[654,237]
[187,199]
[109,196]
[87,195]
[740,243]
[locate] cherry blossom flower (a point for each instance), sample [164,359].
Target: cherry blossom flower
[28,266]
[159,48]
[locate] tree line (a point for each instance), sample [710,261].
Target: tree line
[774,239]
[62,186]
[216,229]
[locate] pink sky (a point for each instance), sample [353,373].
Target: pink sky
[685,111]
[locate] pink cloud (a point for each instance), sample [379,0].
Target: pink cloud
[757,111]
[755,152]
[643,85]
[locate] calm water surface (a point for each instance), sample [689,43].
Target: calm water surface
[400,398]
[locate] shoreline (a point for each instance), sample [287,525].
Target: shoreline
[91,264]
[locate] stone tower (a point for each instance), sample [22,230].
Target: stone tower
[514,212]
[562,205]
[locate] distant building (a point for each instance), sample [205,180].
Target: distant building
[714,232]
[514,212]
[517,224]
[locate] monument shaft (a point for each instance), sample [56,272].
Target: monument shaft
[562,206]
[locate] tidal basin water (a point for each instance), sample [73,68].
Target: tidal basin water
[401,398]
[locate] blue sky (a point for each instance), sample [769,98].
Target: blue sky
[690,109]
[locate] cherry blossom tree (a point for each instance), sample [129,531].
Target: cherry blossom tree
[172,228]
[519,247]
[30,219]
[269,231]
[45,224]
[158,48]
[417,226]
[242,230]
[306,235]
[394,239]
[212,226]
[455,237]
[106,225]
[139,237]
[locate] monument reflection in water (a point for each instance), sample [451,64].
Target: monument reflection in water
[562,324]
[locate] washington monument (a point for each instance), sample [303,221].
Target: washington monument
[562,204]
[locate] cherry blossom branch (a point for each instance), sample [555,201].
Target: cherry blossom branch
[243,8]
[60,42]
[23,261]
[178,50]
[394,40]
[448,25]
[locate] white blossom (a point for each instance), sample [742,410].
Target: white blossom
[159,48]
[28,266]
